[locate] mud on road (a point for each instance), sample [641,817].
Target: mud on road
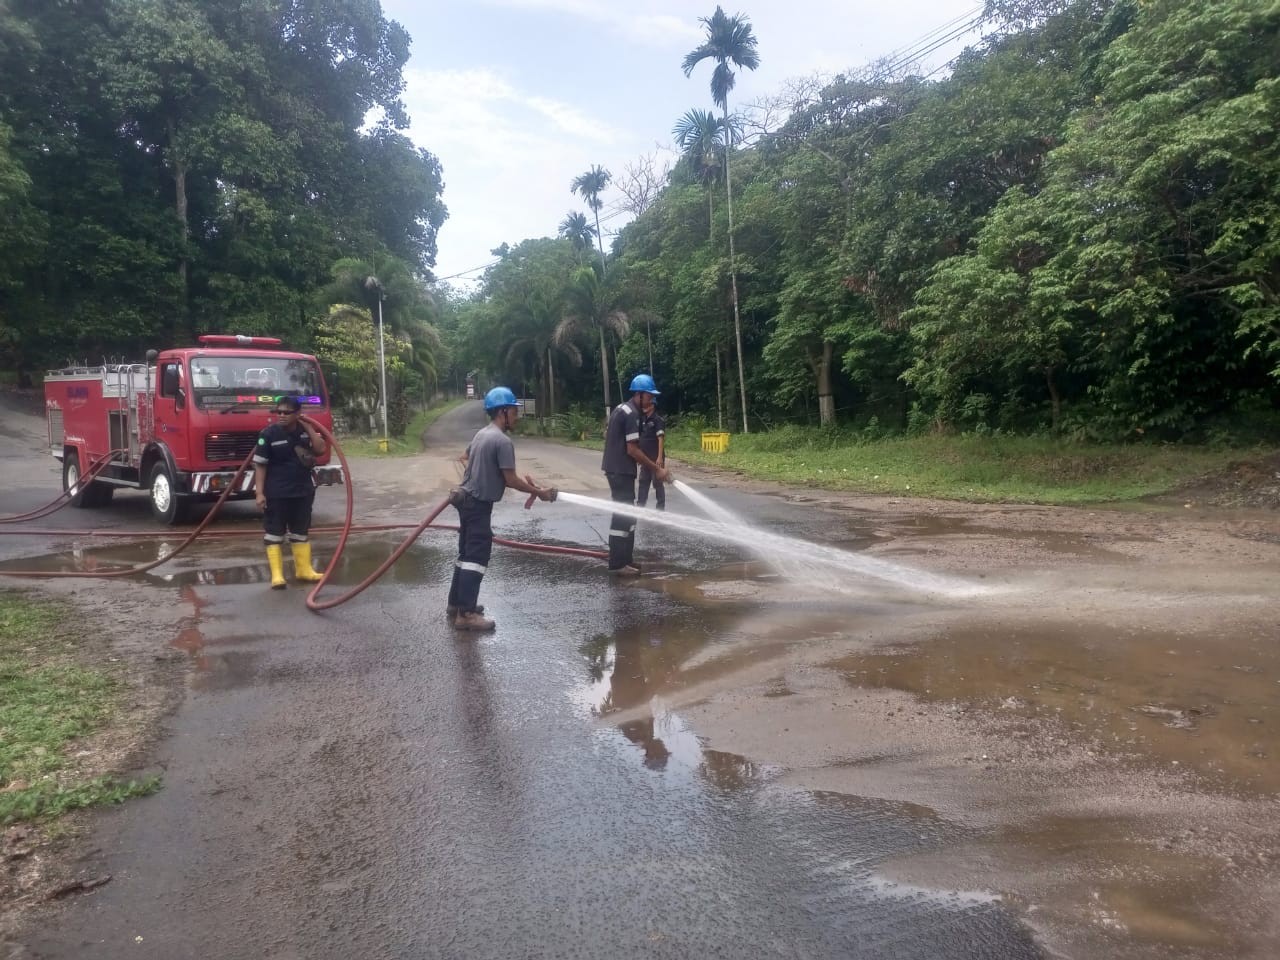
[1104,716]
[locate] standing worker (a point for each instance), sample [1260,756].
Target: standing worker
[622,455]
[653,441]
[490,468]
[284,489]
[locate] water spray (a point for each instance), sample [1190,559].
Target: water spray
[793,556]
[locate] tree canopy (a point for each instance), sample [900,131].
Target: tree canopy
[1075,229]
[173,167]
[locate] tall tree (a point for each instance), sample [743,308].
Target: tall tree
[589,186]
[729,40]
[406,306]
[589,308]
[577,231]
[700,136]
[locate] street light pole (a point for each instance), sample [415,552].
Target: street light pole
[382,363]
[375,285]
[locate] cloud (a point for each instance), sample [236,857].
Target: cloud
[508,157]
[478,104]
[658,29]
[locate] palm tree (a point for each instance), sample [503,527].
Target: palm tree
[407,307]
[700,136]
[589,186]
[588,309]
[728,40]
[576,230]
[531,332]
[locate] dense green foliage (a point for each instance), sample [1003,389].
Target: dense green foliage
[172,167]
[1077,230]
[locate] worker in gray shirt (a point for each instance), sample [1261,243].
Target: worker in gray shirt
[490,468]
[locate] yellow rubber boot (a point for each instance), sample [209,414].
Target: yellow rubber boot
[275,560]
[302,568]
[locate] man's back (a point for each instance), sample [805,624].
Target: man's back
[623,428]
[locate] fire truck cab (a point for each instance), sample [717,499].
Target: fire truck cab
[179,424]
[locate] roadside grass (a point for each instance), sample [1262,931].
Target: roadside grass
[406,446]
[971,468]
[47,702]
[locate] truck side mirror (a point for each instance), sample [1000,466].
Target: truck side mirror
[151,355]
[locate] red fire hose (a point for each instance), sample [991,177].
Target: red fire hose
[344,530]
[62,499]
[317,605]
[142,568]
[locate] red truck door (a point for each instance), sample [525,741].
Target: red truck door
[172,400]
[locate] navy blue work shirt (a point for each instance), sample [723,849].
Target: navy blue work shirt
[287,476]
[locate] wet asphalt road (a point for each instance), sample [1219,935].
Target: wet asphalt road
[367,783]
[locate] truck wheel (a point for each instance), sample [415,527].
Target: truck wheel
[87,495]
[166,506]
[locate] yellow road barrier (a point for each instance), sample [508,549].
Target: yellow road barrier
[714,442]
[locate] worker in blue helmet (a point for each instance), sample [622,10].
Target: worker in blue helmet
[490,468]
[623,455]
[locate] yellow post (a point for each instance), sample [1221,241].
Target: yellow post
[382,444]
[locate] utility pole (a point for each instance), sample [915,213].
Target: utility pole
[374,284]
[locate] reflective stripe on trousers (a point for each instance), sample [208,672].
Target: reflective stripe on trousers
[622,528]
[475,545]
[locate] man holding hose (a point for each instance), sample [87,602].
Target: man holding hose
[490,468]
[284,489]
[622,455]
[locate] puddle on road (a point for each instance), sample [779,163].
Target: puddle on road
[1144,882]
[1100,890]
[1209,704]
[228,561]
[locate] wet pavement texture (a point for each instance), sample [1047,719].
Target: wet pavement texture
[711,759]
[369,784]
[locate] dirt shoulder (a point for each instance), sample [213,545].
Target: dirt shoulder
[1103,713]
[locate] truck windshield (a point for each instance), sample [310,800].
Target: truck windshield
[255,381]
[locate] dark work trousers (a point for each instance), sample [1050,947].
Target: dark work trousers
[287,513]
[475,544]
[622,529]
[659,490]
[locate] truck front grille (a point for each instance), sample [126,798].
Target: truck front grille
[229,447]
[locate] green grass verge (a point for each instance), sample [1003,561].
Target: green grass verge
[47,702]
[406,446]
[979,469]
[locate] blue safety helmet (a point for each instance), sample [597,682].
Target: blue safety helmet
[643,383]
[500,397]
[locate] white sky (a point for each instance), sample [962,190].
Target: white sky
[517,97]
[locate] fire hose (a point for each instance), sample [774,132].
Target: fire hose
[62,499]
[312,601]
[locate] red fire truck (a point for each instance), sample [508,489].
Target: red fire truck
[179,424]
